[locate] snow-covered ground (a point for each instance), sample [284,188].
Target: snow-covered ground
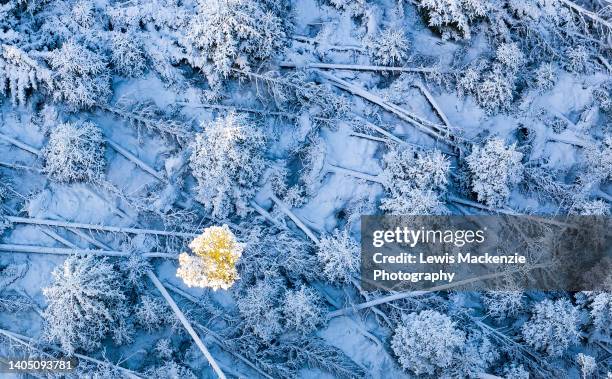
[128,129]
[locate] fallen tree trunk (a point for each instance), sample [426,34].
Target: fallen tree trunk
[72,250]
[404,295]
[294,218]
[354,173]
[218,340]
[186,324]
[134,159]
[434,131]
[20,144]
[355,67]
[106,228]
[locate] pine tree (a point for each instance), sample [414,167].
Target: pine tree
[260,309]
[81,76]
[232,34]
[389,48]
[553,327]
[414,182]
[338,254]
[494,168]
[227,161]
[75,153]
[427,342]
[86,302]
[452,18]
[302,309]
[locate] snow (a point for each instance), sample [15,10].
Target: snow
[73,62]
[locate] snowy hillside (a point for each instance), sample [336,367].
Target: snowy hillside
[181,182]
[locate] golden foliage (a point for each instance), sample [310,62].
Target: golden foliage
[213,263]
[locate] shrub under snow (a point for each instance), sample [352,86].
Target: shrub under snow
[553,327]
[86,302]
[227,161]
[339,255]
[426,342]
[494,168]
[75,153]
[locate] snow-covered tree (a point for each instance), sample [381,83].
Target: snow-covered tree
[452,18]
[86,303]
[81,76]
[413,201]
[414,181]
[545,77]
[577,58]
[603,97]
[601,312]
[514,371]
[302,309]
[281,251]
[598,160]
[127,56]
[260,310]
[152,313]
[476,355]
[338,255]
[163,348]
[213,263]
[553,327]
[75,153]
[424,170]
[510,56]
[494,169]
[354,7]
[427,342]
[503,304]
[388,48]
[227,161]
[232,34]
[588,365]
[21,74]
[496,89]
[170,370]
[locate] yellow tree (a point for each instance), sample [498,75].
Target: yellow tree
[213,262]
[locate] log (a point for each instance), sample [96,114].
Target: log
[355,67]
[407,294]
[434,104]
[32,249]
[294,218]
[218,340]
[20,144]
[186,324]
[434,131]
[354,173]
[106,228]
[134,159]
